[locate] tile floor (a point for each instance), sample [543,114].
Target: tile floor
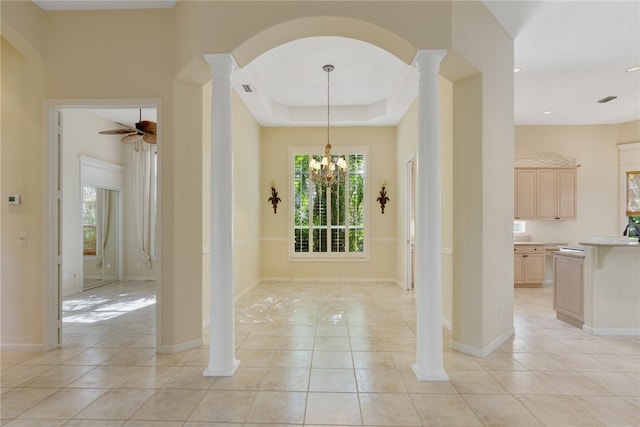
[317,354]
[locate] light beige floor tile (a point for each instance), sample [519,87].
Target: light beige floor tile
[104,377]
[115,404]
[332,359]
[15,375]
[149,423]
[539,362]
[384,409]
[581,362]
[379,381]
[444,411]
[460,362]
[58,376]
[499,362]
[291,359]
[373,360]
[260,342]
[63,404]
[333,408]
[18,400]
[243,379]
[149,377]
[34,423]
[332,344]
[15,357]
[286,379]
[519,382]
[278,407]
[132,356]
[475,382]
[332,380]
[94,423]
[91,356]
[611,411]
[190,378]
[500,411]
[403,359]
[558,410]
[296,343]
[255,358]
[616,383]
[224,406]
[573,383]
[170,359]
[53,357]
[169,405]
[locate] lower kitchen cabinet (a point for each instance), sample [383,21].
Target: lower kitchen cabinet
[568,288]
[528,265]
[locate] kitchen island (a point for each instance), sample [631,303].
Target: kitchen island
[611,286]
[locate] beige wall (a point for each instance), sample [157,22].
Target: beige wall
[594,147]
[250,197]
[381,142]
[20,173]
[482,182]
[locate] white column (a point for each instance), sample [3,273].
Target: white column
[429,366]
[222,361]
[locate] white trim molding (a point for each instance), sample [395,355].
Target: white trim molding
[627,332]
[177,348]
[483,352]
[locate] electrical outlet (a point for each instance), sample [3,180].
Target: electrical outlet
[23,237]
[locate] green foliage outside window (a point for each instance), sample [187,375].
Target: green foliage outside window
[338,210]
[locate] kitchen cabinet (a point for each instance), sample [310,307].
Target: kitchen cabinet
[556,194]
[528,265]
[568,288]
[545,193]
[525,194]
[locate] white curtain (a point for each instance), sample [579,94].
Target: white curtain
[102,224]
[142,195]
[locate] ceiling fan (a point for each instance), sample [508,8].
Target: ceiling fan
[144,130]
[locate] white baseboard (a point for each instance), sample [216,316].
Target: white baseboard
[627,332]
[70,292]
[177,348]
[328,280]
[26,348]
[483,352]
[133,278]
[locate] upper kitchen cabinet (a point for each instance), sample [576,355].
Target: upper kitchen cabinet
[556,194]
[525,194]
[545,194]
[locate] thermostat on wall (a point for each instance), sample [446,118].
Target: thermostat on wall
[14,199]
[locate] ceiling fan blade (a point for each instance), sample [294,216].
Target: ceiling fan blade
[131,138]
[149,138]
[117,131]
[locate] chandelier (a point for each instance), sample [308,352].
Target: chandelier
[326,171]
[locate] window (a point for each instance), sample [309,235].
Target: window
[329,222]
[89,216]
[519,227]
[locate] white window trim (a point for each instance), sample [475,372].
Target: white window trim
[324,256]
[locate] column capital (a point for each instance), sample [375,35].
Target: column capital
[221,63]
[428,60]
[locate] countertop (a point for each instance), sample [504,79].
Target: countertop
[612,242]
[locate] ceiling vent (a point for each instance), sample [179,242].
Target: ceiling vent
[247,88]
[607,99]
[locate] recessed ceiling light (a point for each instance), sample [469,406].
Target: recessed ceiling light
[547,112]
[516,70]
[633,69]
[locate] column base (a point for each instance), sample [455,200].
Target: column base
[440,375]
[222,373]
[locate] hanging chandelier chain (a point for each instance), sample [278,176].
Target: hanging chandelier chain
[327,171]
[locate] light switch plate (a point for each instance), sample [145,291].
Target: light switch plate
[14,199]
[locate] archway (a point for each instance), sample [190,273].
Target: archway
[429,365]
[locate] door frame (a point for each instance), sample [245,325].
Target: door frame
[410,170]
[51,208]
